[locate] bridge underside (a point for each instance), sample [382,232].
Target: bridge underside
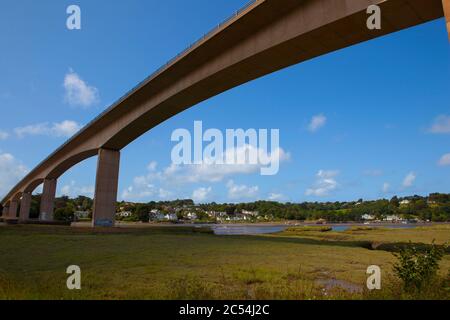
[267,36]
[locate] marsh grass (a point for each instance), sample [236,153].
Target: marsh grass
[181,263]
[302,229]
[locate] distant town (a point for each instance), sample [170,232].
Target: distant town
[432,208]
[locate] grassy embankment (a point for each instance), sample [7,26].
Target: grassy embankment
[177,263]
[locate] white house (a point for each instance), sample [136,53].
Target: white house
[368,217]
[156,215]
[171,217]
[124,214]
[81,214]
[393,218]
[191,216]
[250,213]
[405,202]
[215,214]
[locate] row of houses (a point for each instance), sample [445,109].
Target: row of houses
[154,215]
[389,218]
[173,215]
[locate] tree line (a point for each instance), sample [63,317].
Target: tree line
[434,207]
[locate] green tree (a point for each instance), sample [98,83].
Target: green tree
[142,213]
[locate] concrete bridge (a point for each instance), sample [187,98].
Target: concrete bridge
[263,37]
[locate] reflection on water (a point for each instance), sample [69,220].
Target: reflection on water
[224,230]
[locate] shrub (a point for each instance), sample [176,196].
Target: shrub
[418,268]
[64,214]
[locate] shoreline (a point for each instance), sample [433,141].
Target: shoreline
[261,224]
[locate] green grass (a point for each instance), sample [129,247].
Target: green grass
[439,233]
[183,263]
[301,230]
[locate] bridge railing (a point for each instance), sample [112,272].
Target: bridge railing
[192,45]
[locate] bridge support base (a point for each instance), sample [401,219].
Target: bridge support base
[48,200]
[106,188]
[25,205]
[446,4]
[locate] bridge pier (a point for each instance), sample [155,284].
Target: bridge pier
[106,182]
[446,5]
[25,205]
[5,212]
[13,209]
[48,200]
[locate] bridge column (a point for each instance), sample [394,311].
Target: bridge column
[13,209]
[48,200]
[5,212]
[106,188]
[446,4]
[25,205]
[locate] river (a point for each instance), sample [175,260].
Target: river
[230,229]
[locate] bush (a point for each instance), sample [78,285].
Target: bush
[64,214]
[360,228]
[418,268]
[309,228]
[142,214]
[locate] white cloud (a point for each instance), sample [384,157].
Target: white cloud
[196,173]
[152,166]
[201,194]
[441,125]
[409,180]
[142,190]
[317,122]
[72,190]
[131,194]
[11,171]
[325,183]
[78,92]
[239,192]
[175,176]
[64,129]
[65,191]
[445,160]
[4,135]
[276,197]
[34,129]
[164,194]
[386,187]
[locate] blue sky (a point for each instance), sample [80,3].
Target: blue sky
[381,109]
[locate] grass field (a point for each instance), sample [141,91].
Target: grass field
[178,263]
